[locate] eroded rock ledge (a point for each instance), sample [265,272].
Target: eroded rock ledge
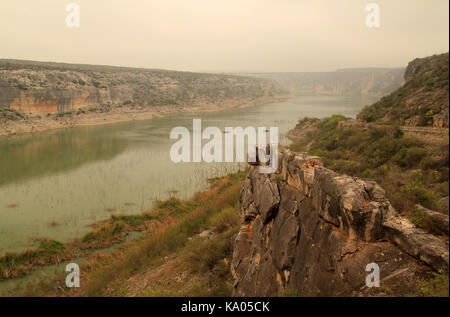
[309,229]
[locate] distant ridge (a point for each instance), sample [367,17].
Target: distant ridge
[342,82]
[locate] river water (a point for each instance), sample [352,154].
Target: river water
[56,183]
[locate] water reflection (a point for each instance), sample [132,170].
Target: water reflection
[29,156]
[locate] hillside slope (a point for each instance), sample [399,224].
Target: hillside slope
[422,101]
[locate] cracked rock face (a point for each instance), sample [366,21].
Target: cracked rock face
[308,229]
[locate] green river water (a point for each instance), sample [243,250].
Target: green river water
[62,181]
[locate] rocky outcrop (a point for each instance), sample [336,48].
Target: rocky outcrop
[303,129]
[308,229]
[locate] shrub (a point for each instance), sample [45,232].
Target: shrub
[367,173]
[227,218]
[103,233]
[318,152]
[204,256]
[409,157]
[419,194]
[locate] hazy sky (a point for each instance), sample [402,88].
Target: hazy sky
[225,35]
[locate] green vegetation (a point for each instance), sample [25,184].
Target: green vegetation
[437,286]
[19,264]
[307,119]
[400,164]
[10,114]
[225,220]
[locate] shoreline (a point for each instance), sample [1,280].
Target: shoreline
[117,115]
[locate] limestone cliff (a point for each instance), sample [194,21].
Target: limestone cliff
[42,88]
[310,230]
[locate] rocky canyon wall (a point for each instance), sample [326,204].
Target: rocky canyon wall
[312,231]
[42,88]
